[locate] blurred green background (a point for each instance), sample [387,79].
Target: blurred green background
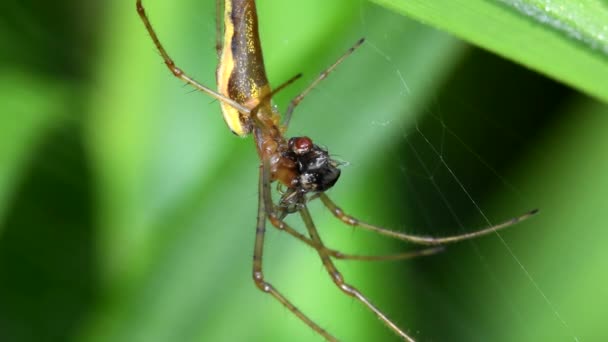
[127,209]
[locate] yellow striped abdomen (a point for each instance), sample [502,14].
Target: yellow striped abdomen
[240,74]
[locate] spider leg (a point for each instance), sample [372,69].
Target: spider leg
[390,257]
[179,73]
[296,101]
[268,96]
[258,252]
[278,223]
[337,278]
[276,219]
[422,240]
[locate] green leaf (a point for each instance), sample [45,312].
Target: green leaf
[31,105]
[566,40]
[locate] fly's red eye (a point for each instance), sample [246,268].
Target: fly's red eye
[302,145]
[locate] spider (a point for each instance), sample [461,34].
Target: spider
[303,170]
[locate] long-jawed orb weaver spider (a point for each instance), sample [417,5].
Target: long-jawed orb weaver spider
[303,170]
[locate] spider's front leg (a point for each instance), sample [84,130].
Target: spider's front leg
[179,73]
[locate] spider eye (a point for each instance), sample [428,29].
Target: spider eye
[300,145]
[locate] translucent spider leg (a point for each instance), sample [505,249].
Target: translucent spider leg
[337,278]
[422,240]
[258,252]
[269,96]
[296,101]
[179,73]
[283,226]
[325,253]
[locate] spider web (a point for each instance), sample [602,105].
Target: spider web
[448,183]
[448,178]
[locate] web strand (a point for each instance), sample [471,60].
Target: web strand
[453,175]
